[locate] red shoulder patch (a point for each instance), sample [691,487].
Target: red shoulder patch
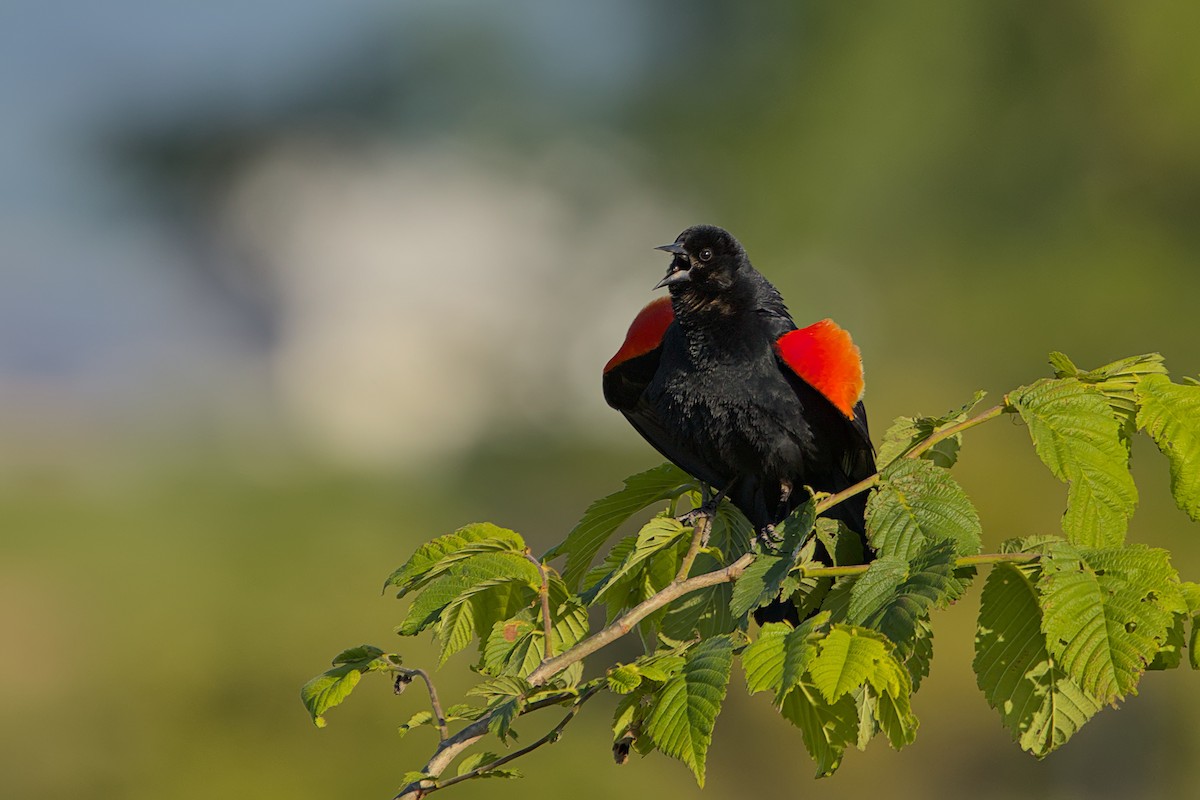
[646,332]
[826,359]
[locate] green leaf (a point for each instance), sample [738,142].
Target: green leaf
[777,660]
[759,584]
[918,503]
[893,596]
[704,613]
[681,721]
[504,714]
[604,516]
[907,432]
[1170,413]
[468,576]
[827,728]
[435,557]
[1106,613]
[624,678]
[731,532]
[364,652]
[476,760]
[333,686]
[1038,702]
[416,721]
[1118,383]
[413,776]
[654,537]
[847,657]
[1077,437]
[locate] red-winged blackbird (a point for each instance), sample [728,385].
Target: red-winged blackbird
[718,379]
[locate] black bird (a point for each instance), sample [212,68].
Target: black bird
[719,379]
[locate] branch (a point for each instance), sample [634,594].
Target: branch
[915,452]
[443,730]
[822,571]
[702,527]
[959,427]
[550,738]
[449,749]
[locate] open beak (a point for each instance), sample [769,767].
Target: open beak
[676,273]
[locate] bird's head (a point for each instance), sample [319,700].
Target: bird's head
[707,261]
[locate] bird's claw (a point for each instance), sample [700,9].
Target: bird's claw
[768,539]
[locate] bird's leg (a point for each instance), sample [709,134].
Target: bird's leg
[766,535]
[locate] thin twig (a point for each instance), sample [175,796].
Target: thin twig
[550,737]
[702,526]
[959,427]
[944,433]
[443,730]
[807,571]
[544,592]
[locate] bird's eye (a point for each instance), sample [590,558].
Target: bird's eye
[706,254]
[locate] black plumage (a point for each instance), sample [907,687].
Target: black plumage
[717,397]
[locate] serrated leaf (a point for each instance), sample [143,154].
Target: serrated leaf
[1117,381]
[1106,613]
[624,678]
[654,537]
[477,610]
[890,689]
[1078,439]
[1170,413]
[466,577]
[920,654]
[604,516]
[435,557]
[681,721]
[893,596]
[503,714]
[704,613]
[1039,704]
[846,658]
[827,729]
[762,659]
[918,503]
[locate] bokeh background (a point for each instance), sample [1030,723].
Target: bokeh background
[289,287]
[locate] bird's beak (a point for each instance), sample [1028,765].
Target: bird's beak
[676,274]
[673,277]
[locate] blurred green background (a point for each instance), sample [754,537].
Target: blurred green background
[288,287]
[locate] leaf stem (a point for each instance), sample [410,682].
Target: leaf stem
[544,593]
